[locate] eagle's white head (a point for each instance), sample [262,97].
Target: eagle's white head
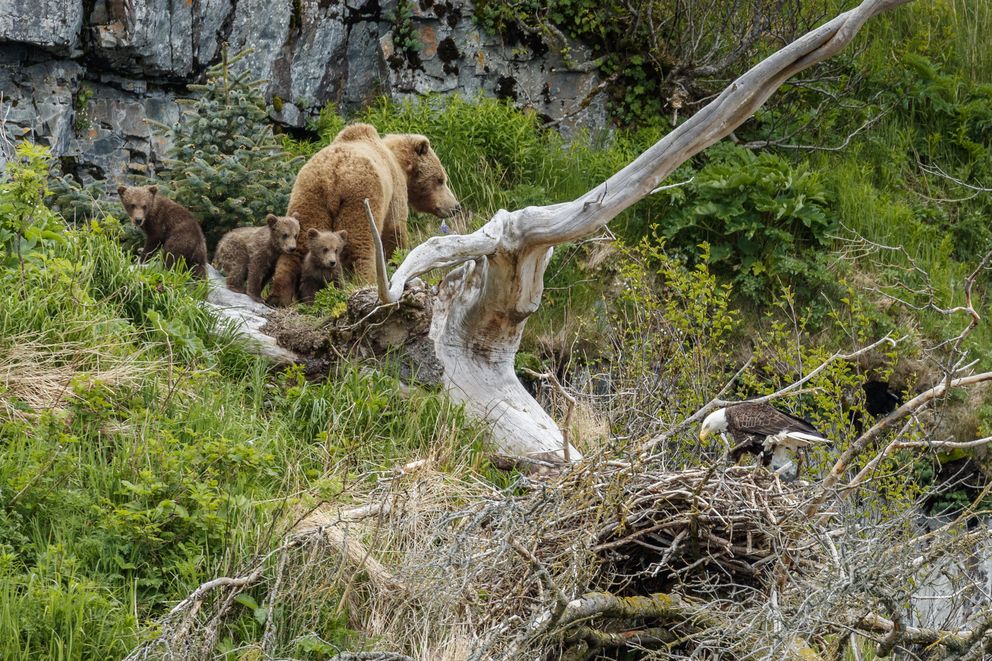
[714,423]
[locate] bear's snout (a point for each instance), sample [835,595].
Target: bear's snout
[447,211]
[138,220]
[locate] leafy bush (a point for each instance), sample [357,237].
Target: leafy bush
[226,165]
[762,218]
[26,224]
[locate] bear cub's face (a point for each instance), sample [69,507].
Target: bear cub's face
[138,202]
[325,247]
[429,192]
[283,231]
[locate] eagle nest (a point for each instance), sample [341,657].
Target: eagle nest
[612,555]
[728,526]
[606,555]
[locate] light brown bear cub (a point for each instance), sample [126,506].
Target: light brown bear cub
[168,227]
[247,255]
[394,172]
[322,263]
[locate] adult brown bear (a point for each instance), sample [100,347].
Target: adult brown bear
[394,172]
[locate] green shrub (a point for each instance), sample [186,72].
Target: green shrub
[26,223]
[225,164]
[763,219]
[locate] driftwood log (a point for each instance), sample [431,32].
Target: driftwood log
[481,306]
[247,317]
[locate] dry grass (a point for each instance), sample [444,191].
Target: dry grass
[42,375]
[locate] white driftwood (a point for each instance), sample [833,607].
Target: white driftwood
[482,305]
[248,317]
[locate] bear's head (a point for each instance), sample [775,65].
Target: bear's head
[283,231]
[325,247]
[426,180]
[138,202]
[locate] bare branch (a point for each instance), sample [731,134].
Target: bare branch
[936,171]
[865,440]
[757,144]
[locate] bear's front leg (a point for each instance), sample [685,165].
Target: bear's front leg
[151,245]
[287,272]
[253,287]
[307,291]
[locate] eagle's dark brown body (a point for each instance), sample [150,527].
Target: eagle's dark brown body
[750,423]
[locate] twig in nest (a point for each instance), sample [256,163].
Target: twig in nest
[566,424]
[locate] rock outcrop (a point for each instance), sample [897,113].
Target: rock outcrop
[82,77]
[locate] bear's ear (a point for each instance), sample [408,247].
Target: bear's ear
[421,145]
[312,233]
[271,220]
[153,189]
[121,190]
[343,235]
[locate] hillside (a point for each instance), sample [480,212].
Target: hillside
[166,493]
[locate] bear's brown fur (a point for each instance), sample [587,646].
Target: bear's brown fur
[168,227]
[394,172]
[322,263]
[247,255]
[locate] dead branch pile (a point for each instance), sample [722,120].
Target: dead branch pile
[730,526]
[603,556]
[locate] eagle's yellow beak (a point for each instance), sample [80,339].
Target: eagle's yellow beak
[703,433]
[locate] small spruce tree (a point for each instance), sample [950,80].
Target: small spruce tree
[226,165]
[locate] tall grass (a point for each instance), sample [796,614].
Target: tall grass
[154,454]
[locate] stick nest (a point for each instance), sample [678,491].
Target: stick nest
[458,570]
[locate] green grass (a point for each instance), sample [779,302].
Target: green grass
[144,452]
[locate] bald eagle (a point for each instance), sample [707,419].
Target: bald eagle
[765,431]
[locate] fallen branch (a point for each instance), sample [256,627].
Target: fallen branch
[247,318]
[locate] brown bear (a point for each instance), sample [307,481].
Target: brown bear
[394,172]
[168,227]
[322,263]
[247,255]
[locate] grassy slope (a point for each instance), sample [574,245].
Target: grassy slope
[142,453]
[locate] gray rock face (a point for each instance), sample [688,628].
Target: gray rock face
[52,24]
[456,56]
[83,77]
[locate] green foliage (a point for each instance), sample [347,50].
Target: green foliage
[674,325]
[330,302]
[162,455]
[763,218]
[80,105]
[226,165]
[406,41]
[26,224]
[145,452]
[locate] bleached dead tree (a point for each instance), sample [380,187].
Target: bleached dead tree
[483,304]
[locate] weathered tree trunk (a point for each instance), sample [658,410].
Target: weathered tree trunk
[482,305]
[247,317]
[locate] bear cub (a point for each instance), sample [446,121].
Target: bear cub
[322,263]
[167,226]
[247,255]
